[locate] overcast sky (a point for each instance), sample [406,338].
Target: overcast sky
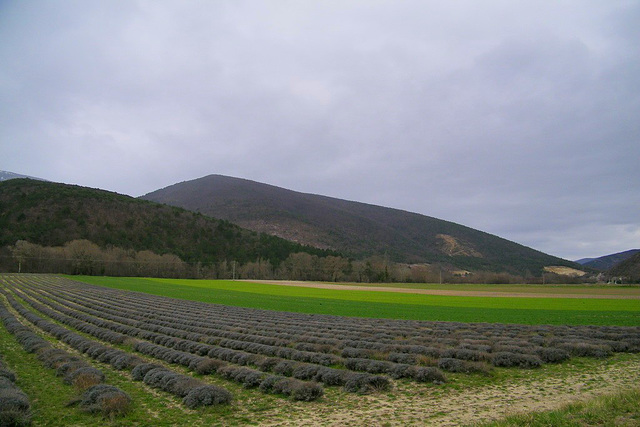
[518,118]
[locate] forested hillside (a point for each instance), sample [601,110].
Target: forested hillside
[52,215]
[609,261]
[627,270]
[359,229]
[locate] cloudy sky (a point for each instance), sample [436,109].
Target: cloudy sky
[521,119]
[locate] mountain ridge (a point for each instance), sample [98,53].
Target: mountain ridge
[355,228]
[606,262]
[6,175]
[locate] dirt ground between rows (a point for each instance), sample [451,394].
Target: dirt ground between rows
[411,404]
[467,293]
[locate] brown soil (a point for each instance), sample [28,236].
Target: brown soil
[443,291]
[452,246]
[565,271]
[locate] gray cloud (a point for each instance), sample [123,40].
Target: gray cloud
[519,119]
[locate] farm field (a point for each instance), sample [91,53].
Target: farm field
[563,290]
[608,309]
[184,362]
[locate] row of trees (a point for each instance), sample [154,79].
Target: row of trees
[85,257]
[376,269]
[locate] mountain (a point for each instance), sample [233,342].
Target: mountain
[5,175]
[51,214]
[608,261]
[629,268]
[358,229]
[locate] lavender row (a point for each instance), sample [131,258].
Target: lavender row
[193,392]
[421,338]
[96,397]
[301,391]
[471,342]
[306,371]
[298,390]
[374,346]
[15,408]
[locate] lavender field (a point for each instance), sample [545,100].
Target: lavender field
[206,355]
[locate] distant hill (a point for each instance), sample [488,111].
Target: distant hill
[350,227]
[5,175]
[51,214]
[629,268]
[608,261]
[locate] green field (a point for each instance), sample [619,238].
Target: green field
[556,289]
[570,311]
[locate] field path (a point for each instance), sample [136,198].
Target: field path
[415,405]
[447,292]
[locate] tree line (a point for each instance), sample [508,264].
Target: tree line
[87,258]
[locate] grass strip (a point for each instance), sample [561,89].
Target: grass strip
[560,290]
[622,408]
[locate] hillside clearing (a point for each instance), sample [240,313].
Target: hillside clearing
[565,271]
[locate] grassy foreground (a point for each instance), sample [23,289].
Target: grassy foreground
[558,311]
[619,409]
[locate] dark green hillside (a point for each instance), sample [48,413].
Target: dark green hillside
[51,214]
[609,261]
[350,227]
[629,269]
